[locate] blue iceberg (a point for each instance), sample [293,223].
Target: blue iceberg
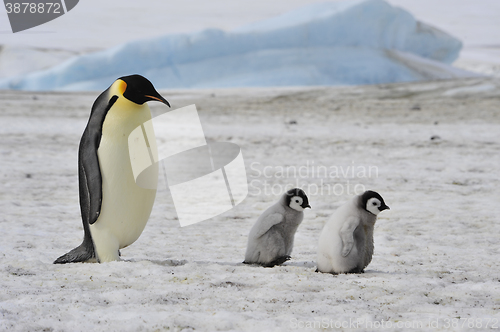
[332,43]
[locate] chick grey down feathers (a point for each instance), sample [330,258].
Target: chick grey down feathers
[270,241]
[346,242]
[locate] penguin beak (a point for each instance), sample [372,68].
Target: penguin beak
[307,206]
[158,98]
[384,207]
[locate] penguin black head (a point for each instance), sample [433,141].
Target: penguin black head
[139,90]
[372,202]
[297,199]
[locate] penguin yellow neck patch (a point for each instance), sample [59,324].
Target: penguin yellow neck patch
[120,86]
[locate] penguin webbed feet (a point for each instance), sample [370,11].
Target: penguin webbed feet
[356,270]
[81,254]
[75,257]
[332,273]
[277,261]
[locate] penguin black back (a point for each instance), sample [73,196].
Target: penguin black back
[89,178]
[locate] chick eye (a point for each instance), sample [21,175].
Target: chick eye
[296,201]
[374,203]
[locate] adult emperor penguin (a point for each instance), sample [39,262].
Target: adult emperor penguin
[114,208]
[270,241]
[346,242]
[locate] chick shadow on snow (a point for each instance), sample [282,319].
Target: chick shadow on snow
[365,274]
[304,264]
[174,262]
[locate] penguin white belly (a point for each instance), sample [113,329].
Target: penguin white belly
[125,207]
[330,248]
[330,245]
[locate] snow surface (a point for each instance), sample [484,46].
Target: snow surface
[332,43]
[437,151]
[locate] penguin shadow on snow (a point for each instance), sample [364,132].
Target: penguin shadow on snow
[255,265]
[364,273]
[309,264]
[217,263]
[174,262]
[168,262]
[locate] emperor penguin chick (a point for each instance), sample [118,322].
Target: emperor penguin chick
[114,208]
[346,242]
[270,241]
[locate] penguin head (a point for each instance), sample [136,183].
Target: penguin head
[296,199]
[372,202]
[138,90]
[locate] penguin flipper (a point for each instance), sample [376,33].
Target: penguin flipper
[347,235]
[89,171]
[267,222]
[90,189]
[90,179]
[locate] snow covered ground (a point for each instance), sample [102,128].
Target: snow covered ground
[431,149]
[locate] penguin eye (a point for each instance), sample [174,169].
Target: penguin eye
[296,201]
[374,203]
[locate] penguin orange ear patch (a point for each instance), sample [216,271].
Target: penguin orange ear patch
[121,86]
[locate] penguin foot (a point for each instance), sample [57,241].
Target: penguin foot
[356,270]
[252,263]
[83,253]
[277,261]
[332,273]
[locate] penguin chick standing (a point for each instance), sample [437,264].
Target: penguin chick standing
[114,208]
[346,242]
[270,241]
